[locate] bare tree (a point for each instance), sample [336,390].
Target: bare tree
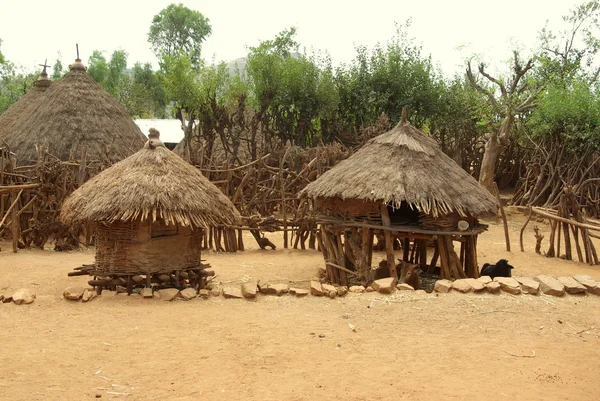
[515,97]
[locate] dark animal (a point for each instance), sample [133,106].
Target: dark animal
[500,269]
[407,273]
[262,242]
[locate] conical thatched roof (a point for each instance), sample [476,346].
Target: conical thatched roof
[404,164]
[33,95]
[154,182]
[74,112]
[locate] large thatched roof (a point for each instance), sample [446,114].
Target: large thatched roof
[73,113]
[34,94]
[404,164]
[154,182]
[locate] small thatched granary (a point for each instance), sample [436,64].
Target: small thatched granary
[399,185]
[150,210]
[72,114]
[31,97]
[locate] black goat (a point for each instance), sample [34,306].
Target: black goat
[500,269]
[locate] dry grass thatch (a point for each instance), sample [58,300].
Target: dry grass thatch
[404,164]
[154,182]
[33,95]
[73,113]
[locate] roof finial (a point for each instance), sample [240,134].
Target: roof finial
[404,115]
[43,80]
[45,65]
[77,65]
[154,139]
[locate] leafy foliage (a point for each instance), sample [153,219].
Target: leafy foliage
[178,29]
[570,114]
[572,52]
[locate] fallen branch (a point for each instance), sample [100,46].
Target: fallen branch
[521,356]
[590,329]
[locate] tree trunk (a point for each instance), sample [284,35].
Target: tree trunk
[488,163]
[493,147]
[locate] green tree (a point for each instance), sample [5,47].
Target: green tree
[98,68]
[572,52]
[568,114]
[14,83]
[179,29]
[147,87]
[117,67]
[508,98]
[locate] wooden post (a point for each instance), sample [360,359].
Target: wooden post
[389,245]
[506,238]
[406,249]
[444,264]
[15,224]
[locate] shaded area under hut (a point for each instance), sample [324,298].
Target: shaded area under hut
[150,211]
[401,188]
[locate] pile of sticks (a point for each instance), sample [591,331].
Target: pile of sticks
[31,197]
[551,168]
[567,222]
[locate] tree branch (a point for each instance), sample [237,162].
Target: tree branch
[481,89]
[494,80]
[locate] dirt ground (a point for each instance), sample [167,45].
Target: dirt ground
[403,346]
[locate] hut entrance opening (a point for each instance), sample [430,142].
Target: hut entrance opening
[404,215]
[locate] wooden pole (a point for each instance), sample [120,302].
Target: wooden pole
[506,238]
[389,245]
[523,229]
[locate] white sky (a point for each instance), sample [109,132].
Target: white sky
[32,30]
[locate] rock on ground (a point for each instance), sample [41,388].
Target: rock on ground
[23,296]
[475,284]
[493,287]
[550,286]
[384,285]
[204,293]
[485,279]
[279,289]
[216,291]
[231,292]
[249,289]
[591,285]
[529,285]
[73,293]
[342,290]
[188,293]
[359,289]
[572,286]
[442,286]
[461,285]
[404,287]
[509,284]
[146,292]
[168,294]
[316,288]
[299,292]
[89,294]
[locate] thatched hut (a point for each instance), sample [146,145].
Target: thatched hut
[150,210]
[31,97]
[400,186]
[74,113]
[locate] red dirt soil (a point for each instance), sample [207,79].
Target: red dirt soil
[403,346]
